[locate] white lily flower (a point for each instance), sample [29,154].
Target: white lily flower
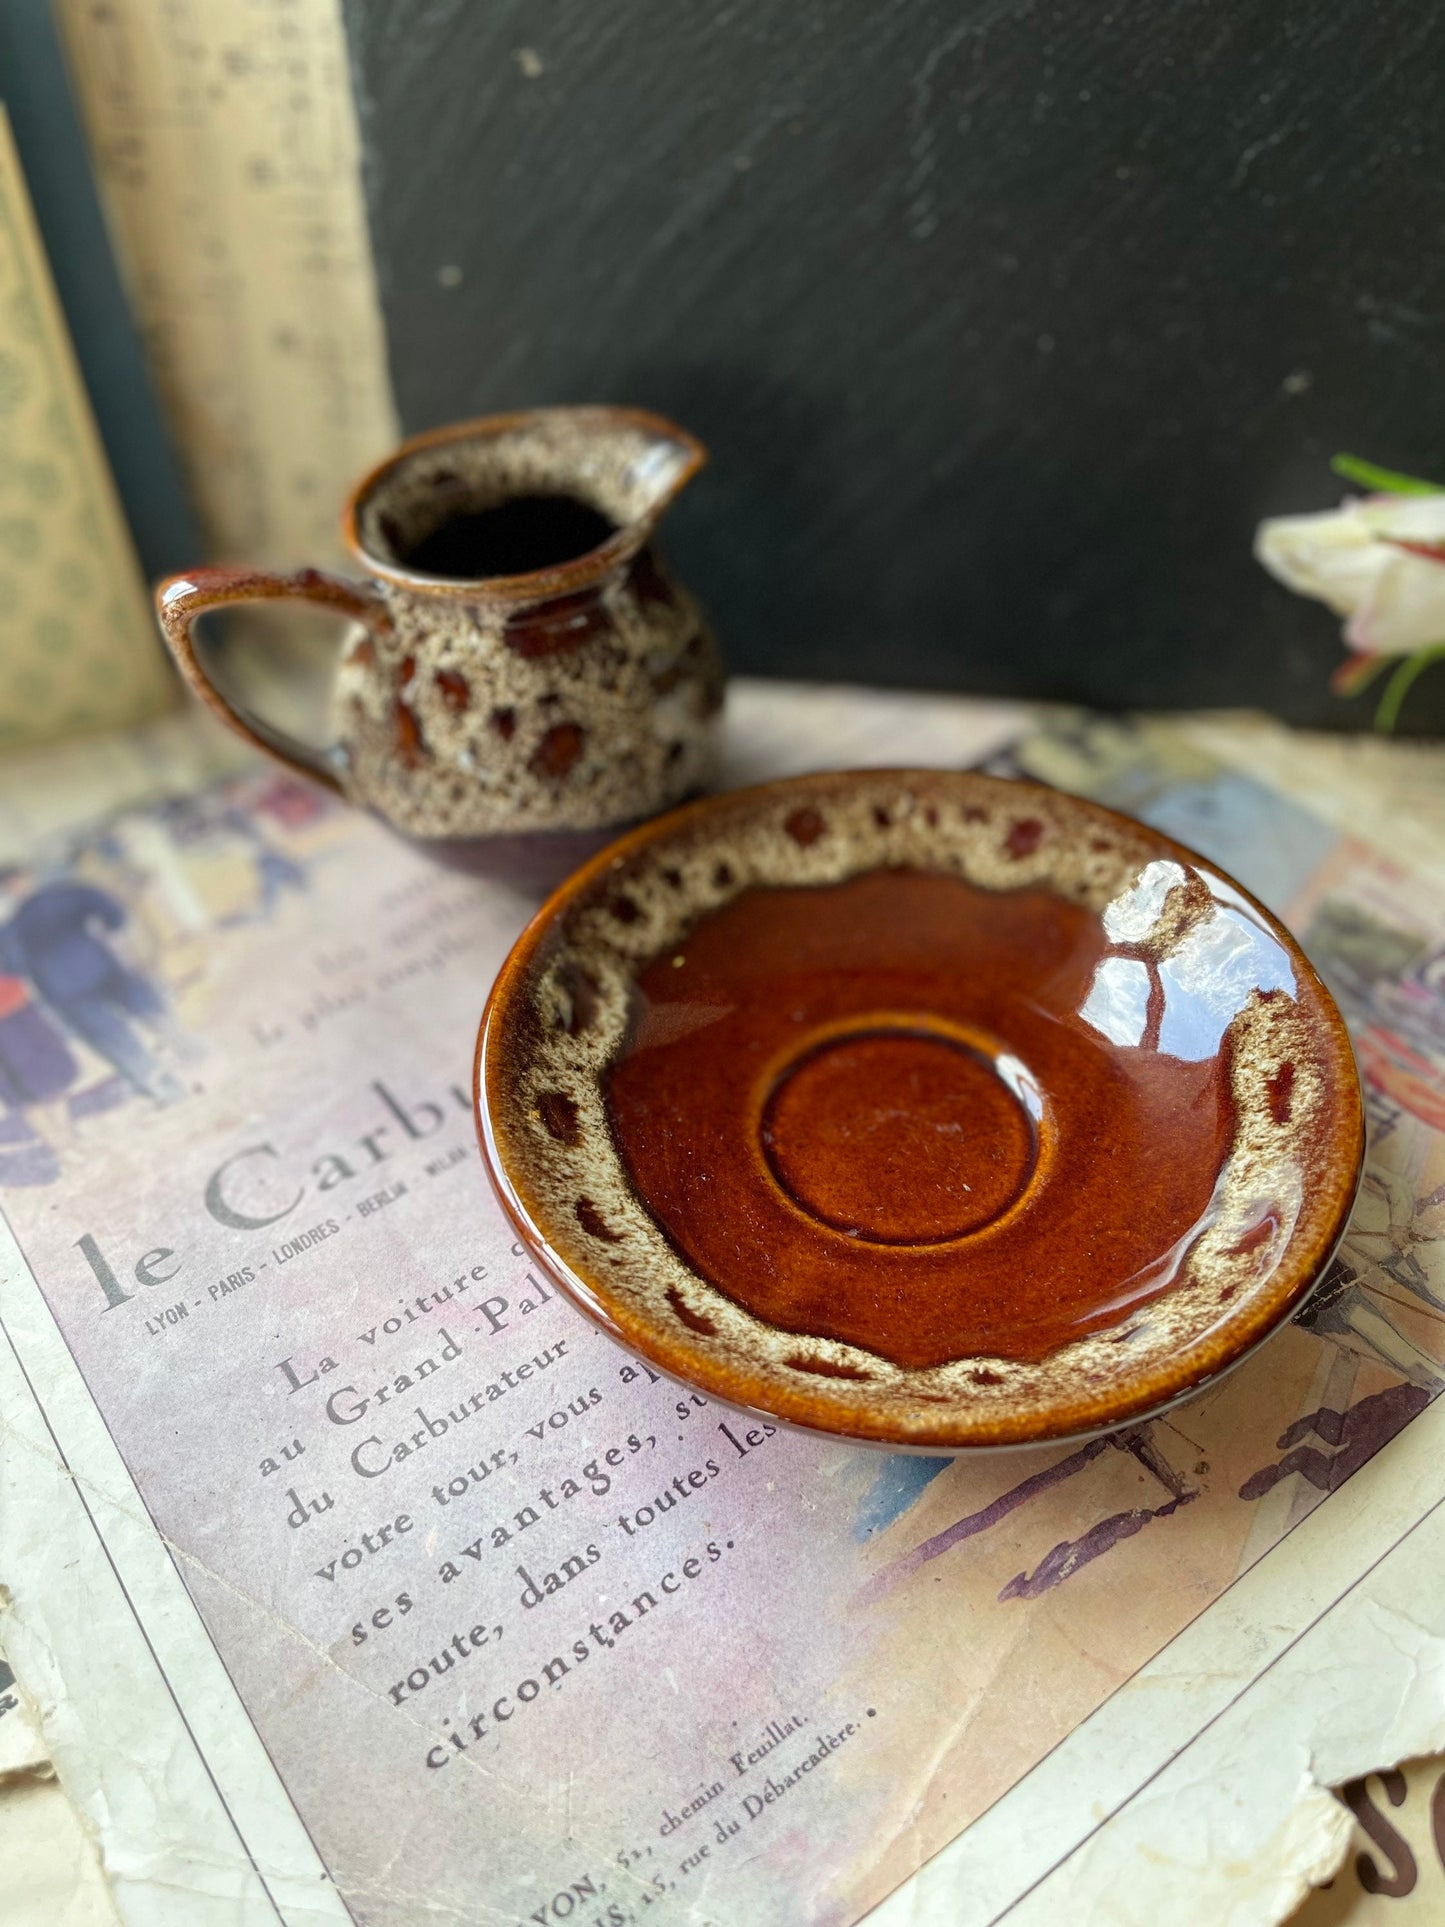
[1378,560]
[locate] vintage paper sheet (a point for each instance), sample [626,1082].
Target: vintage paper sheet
[1393,1873]
[81,649]
[50,1875]
[422,1600]
[223,135]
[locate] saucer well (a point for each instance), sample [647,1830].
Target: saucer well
[920,1107]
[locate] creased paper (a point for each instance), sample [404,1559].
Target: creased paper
[50,1874]
[1243,1820]
[258,1281]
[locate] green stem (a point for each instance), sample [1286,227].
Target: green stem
[1383,481]
[1400,684]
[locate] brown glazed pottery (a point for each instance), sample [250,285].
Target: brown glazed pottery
[522,661]
[921,1107]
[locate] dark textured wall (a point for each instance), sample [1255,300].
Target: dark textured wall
[1004,321]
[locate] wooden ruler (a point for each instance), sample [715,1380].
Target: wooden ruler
[224,138]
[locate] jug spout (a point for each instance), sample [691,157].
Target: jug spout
[609,473]
[636,462]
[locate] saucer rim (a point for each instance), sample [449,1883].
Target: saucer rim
[752,1389]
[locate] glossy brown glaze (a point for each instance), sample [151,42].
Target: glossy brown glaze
[182,599]
[921,1107]
[825,1097]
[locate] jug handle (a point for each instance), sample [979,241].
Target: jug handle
[181,598]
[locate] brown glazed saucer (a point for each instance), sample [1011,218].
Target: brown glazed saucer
[920,1107]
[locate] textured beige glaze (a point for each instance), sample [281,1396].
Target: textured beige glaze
[560,1011]
[622,464]
[574,697]
[568,698]
[642,697]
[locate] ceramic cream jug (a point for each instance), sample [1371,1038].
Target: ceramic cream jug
[521,660]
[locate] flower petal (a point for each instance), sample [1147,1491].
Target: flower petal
[1334,556]
[1405,518]
[1404,609]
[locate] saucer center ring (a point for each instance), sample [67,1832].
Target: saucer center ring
[898,1136]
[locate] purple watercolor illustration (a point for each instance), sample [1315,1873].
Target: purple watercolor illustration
[88,1020]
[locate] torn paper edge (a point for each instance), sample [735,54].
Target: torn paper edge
[1208,1773]
[1243,1820]
[23,1755]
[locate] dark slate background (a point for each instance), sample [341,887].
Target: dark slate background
[1004,321]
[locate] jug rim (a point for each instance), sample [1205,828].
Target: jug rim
[535,585]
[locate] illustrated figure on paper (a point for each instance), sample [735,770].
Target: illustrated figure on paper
[1392,986]
[92,950]
[37,1068]
[59,936]
[67,995]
